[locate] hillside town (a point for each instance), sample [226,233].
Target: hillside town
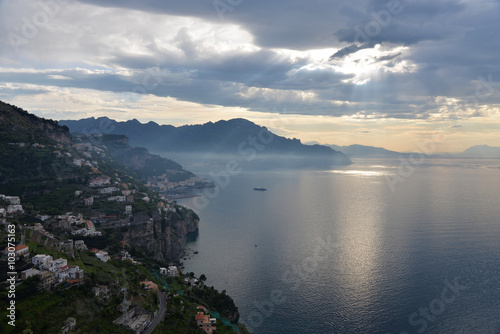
[91,236]
[60,234]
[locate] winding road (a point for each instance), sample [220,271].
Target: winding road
[161,314]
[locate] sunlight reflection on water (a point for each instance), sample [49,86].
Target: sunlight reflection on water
[360,172]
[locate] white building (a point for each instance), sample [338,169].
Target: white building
[118,198]
[78,162]
[15,208]
[25,274]
[108,190]
[80,245]
[43,217]
[100,181]
[57,264]
[89,201]
[75,272]
[41,261]
[128,209]
[172,271]
[14,200]
[62,274]
[102,255]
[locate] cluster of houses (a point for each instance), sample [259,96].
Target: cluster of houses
[77,244]
[35,145]
[119,193]
[99,181]
[53,272]
[14,205]
[82,163]
[85,149]
[163,184]
[42,146]
[204,322]
[88,231]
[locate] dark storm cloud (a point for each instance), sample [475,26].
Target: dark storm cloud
[422,50]
[352,49]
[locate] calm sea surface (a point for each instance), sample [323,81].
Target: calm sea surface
[337,251]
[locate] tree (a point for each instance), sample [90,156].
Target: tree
[203,278]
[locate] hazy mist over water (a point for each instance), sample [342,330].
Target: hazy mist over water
[338,251]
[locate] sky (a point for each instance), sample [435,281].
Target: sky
[399,74]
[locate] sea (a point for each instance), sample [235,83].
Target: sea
[386,246]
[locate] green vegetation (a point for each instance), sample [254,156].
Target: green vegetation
[50,172]
[46,311]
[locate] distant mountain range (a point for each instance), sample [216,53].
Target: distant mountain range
[361,151]
[481,151]
[246,139]
[237,137]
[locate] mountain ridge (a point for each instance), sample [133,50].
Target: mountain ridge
[236,136]
[364,151]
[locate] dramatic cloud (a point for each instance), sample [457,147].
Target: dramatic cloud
[434,61]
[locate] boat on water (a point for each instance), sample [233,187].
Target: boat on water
[260,189]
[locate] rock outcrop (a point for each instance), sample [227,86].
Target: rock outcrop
[163,237]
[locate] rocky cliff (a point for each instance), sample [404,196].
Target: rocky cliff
[163,237]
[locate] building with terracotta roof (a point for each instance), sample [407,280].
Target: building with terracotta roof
[148,285]
[205,323]
[19,250]
[74,282]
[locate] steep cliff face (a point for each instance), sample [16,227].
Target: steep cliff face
[17,125]
[163,238]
